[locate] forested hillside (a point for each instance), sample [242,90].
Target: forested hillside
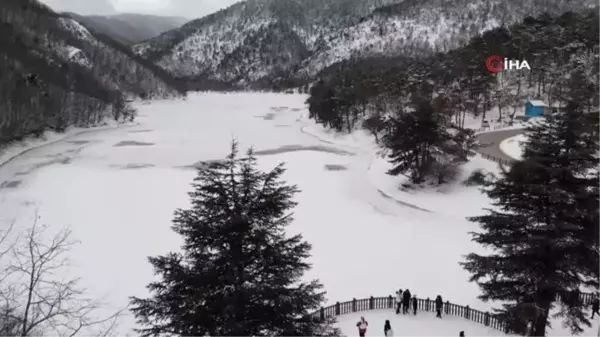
[319,33]
[55,73]
[422,27]
[394,97]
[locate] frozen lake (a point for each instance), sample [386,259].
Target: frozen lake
[117,189]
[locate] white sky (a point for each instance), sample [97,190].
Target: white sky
[186,8]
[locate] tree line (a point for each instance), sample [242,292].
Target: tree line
[395,97]
[543,232]
[43,88]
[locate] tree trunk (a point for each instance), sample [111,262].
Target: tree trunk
[544,300]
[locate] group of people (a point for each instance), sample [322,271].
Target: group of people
[387,328]
[404,300]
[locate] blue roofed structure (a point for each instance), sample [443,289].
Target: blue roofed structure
[535,108]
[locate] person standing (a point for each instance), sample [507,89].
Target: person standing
[405,301]
[439,303]
[415,304]
[595,307]
[398,301]
[362,326]
[461,334]
[387,329]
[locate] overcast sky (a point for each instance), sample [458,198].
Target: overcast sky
[186,8]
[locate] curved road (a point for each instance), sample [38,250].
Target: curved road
[490,143]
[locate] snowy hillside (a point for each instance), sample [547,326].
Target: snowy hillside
[77,29]
[327,31]
[65,73]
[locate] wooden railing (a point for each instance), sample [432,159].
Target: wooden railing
[380,303]
[496,159]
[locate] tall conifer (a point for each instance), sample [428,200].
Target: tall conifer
[238,274]
[544,230]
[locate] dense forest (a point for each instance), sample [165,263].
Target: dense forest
[55,73]
[439,91]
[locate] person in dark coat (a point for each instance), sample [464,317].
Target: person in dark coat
[461,334]
[387,329]
[398,301]
[415,304]
[595,307]
[439,303]
[405,301]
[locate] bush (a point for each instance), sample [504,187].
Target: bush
[478,178]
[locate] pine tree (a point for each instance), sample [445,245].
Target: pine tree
[544,232]
[415,140]
[239,274]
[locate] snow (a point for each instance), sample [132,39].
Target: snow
[117,189]
[537,103]
[14,150]
[77,55]
[208,47]
[77,28]
[513,146]
[423,324]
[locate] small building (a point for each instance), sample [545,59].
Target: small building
[534,108]
[537,108]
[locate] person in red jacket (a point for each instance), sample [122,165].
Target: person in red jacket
[362,327]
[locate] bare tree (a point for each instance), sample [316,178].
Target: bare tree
[35,294]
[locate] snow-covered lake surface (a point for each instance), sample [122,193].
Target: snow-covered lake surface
[118,188]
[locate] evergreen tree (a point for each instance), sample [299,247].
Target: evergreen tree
[415,140]
[544,232]
[239,274]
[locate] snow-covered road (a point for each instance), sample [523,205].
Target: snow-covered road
[490,143]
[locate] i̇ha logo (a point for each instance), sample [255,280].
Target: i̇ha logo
[495,63]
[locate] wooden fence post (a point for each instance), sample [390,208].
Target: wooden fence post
[467,312]
[354,305]
[486,320]
[337,308]
[427,304]
[447,307]
[371,303]
[390,301]
[322,314]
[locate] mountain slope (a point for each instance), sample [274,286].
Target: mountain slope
[418,27]
[202,48]
[130,28]
[331,31]
[57,73]
[559,50]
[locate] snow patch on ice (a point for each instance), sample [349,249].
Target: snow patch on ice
[13,150]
